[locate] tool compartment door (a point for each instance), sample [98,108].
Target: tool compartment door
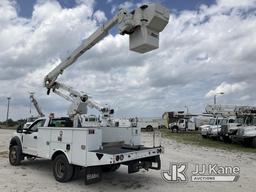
[79,147]
[44,136]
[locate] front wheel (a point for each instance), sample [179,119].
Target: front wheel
[62,170]
[254,142]
[15,155]
[204,136]
[149,128]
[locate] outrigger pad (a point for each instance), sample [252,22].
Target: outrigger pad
[92,175]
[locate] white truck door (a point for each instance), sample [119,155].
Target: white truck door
[29,141]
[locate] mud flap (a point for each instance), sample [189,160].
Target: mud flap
[133,167]
[156,163]
[147,163]
[92,175]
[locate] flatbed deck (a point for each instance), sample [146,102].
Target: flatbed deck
[119,149]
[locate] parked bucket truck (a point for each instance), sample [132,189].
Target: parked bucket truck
[80,141]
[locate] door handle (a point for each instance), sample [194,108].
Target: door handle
[35,137]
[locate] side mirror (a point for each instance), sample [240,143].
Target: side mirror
[26,131]
[19,129]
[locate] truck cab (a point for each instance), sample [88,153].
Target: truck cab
[182,124]
[246,133]
[229,127]
[215,131]
[212,128]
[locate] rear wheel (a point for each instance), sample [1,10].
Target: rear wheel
[204,136]
[15,155]
[62,170]
[254,142]
[149,128]
[176,128]
[226,139]
[248,142]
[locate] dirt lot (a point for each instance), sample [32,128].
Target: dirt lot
[37,175]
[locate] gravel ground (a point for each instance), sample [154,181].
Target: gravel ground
[37,175]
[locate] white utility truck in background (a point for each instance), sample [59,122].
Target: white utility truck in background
[83,141]
[31,119]
[222,114]
[181,121]
[149,123]
[183,124]
[245,130]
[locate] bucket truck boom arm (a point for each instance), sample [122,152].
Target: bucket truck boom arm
[143,26]
[36,105]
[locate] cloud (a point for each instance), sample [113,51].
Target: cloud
[201,52]
[100,16]
[128,5]
[228,88]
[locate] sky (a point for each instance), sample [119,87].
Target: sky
[208,47]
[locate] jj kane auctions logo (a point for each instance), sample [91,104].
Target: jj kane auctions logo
[201,173]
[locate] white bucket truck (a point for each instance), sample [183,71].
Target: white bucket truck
[81,141]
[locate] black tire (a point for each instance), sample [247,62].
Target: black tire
[176,128]
[110,168]
[62,170]
[15,155]
[254,142]
[149,128]
[226,139]
[248,142]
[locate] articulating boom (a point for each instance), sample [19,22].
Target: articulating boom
[143,26]
[35,103]
[79,101]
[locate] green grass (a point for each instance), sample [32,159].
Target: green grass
[3,126]
[195,138]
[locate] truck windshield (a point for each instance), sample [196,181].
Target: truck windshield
[218,122]
[239,120]
[254,121]
[212,122]
[92,119]
[231,121]
[224,122]
[249,120]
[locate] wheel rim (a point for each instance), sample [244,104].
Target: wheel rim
[60,169]
[13,156]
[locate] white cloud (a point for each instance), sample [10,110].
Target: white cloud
[228,88]
[8,8]
[46,10]
[100,16]
[126,5]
